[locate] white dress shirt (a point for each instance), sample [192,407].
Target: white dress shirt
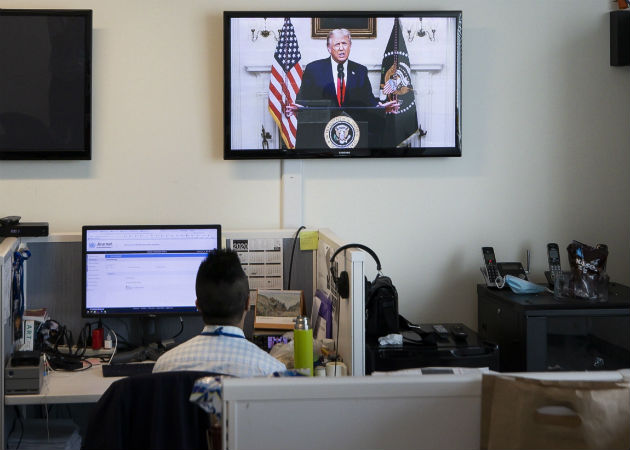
[228,353]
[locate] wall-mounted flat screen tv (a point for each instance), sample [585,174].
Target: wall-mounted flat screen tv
[45,84]
[342,84]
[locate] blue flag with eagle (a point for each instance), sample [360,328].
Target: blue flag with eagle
[396,85]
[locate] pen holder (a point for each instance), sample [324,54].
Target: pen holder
[303,346]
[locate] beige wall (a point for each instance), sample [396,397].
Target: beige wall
[546,156]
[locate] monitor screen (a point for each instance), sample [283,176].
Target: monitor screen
[45,84]
[143,270]
[334,84]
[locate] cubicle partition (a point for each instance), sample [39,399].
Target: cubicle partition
[420,412]
[395,411]
[7,247]
[351,310]
[53,281]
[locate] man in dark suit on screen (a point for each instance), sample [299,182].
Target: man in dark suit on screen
[338,82]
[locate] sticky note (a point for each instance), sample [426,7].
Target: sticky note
[309,240]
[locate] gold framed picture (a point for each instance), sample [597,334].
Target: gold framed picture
[359,27]
[277,310]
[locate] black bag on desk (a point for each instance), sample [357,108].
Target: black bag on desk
[381,297]
[381,307]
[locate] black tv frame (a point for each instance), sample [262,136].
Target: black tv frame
[62,153]
[397,152]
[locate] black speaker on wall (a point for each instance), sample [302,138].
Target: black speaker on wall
[620,38]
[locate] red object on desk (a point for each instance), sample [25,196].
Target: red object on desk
[97,338]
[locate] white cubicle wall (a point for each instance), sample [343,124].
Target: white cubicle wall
[353,413]
[7,247]
[351,310]
[410,411]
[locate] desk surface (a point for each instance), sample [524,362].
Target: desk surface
[67,387]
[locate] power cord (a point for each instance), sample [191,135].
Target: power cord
[115,346]
[45,405]
[53,335]
[126,325]
[74,359]
[111,330]
[21,431]
[293,253]
[115,336]
[181,328]
[89,365]
[337,340]
[15,420]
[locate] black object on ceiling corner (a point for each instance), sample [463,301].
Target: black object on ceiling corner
[620,38]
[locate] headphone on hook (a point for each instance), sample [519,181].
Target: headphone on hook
[342,282]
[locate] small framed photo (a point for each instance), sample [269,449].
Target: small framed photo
[277,310]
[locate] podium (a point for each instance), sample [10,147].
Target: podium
[322,127]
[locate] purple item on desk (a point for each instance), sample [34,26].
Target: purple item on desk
[325,313]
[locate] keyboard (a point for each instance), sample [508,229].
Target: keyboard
[127,369]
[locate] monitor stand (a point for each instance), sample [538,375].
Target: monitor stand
[150,329]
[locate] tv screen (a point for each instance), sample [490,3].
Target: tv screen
[146,270]
[342,84]
[45,84]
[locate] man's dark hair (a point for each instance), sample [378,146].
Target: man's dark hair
[222,288]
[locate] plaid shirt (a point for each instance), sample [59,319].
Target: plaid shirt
[228,355]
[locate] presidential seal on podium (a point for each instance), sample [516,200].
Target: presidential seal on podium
[342,132]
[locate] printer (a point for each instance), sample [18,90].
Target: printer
[24,373]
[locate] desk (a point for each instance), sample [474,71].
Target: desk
[67,387]
[433,352]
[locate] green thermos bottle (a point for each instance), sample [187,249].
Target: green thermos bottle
[303,345]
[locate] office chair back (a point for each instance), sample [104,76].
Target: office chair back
[149,412]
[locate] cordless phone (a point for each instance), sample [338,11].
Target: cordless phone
[490,265]
[553,256]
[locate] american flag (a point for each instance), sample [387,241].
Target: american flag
[286,78]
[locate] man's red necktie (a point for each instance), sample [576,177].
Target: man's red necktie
[341,90]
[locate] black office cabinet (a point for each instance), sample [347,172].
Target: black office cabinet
[538,332]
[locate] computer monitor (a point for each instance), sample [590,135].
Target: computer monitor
[143,270]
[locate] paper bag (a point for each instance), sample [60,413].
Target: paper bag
[521,413]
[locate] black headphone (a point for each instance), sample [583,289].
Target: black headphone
[343,282]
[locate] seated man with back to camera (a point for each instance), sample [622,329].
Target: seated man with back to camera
[223,299]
